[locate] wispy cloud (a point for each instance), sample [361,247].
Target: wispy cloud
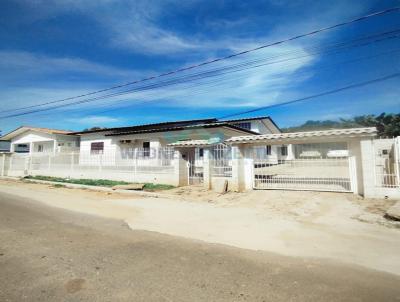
[95,120]
[23,63]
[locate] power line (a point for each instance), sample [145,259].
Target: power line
[227,70]
[357,85]
[379,13]
[213,84]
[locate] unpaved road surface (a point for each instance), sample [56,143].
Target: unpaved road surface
[49,254]
[319,225]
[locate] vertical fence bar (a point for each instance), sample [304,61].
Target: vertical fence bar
[72,161]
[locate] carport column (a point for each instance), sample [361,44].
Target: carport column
[207,168]
[238,178]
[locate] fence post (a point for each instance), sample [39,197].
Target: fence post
[207,168]
[397,160]
[11,162]
[27,164]
[353,174]
[135,155]
[30,164]
[3,164]
[238,168]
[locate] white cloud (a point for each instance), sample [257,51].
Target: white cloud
[95,120]
[24,62]
[136,26]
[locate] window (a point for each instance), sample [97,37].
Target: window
[268,150]
[201,152]
[146,149]
[40,148]
[97,148]
[246,125]
[284,150]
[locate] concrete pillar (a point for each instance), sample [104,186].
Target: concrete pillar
[3,164]
[368,167]
[355,159]
[181,167]
[238,176]
[207,168]
[248,168]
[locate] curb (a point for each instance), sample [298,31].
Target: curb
[93,188]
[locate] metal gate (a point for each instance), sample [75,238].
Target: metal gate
[195,167]
[313,167]
[387,162]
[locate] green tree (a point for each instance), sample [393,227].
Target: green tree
[388,125]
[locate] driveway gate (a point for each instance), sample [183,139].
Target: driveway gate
[314,167]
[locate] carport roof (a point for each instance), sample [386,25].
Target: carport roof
[288,137]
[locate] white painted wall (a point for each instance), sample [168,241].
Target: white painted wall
[34,138]
[113,148]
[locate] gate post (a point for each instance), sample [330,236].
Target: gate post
[238,178]
[3,164]
[207,168]
[353,174]
[248,167]
[181,169]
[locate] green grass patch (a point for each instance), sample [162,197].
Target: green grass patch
[58,186]
[99,182]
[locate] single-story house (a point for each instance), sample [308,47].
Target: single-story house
[31,140]
[113,145]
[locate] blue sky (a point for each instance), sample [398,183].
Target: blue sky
[60,48]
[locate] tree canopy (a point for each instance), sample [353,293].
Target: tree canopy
[388,125]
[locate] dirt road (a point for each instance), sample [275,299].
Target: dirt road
[317,225]
[49,254]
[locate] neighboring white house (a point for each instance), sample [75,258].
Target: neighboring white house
[27,139]
[4,146]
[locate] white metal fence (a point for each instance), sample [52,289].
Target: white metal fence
[221,161]
[136,165]
[319,167]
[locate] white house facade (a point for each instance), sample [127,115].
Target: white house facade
[115,145]
[41,140]
[240,154]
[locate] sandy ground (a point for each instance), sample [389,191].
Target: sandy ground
[51,254]
[302,224]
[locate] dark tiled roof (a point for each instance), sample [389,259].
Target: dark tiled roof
[156,126]
[174,126]
[177,128]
